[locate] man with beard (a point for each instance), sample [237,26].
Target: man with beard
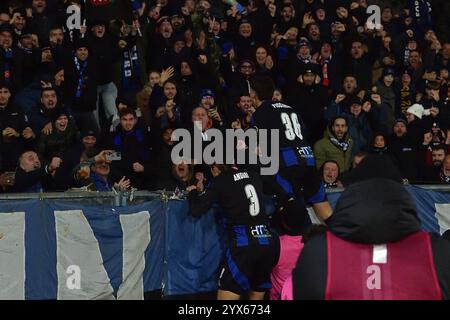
[309,99]
[403,150]
[432,173]
[363,120]
[335,145]
[207,101]
[313,31]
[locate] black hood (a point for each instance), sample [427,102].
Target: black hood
[374,211]
[192,64]
[374,165]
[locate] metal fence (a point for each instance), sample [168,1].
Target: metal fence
[126,197]
[109,198]
[433,187]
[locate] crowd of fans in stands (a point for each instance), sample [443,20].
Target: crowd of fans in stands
[69,98]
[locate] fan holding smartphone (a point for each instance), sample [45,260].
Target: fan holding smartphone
[114,156]
[207,101]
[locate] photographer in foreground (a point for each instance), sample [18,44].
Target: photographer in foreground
[374,248]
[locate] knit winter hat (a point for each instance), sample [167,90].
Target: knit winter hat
[59,112]
[407,71]
[247,61]
[207,93]
[162,19]
[88,133]
[418,110]
[388,71]
[400,120]
[6,28]
[354,100]
[242,21]
[80,43]
[304,43]
[98,22]
[310,68]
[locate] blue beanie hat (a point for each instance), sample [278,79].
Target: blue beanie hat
[388,71]
[207,93]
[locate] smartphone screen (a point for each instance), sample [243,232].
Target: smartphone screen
[115,156]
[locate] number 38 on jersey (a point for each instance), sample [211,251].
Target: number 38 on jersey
[292,125]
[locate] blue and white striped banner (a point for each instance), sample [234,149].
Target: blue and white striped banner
[55,250]
[433,208]
[60,250]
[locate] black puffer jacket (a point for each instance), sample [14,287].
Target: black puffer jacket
[374,211]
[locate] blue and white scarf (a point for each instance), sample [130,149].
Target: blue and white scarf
[131,68]
[81,67]
[344,145]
